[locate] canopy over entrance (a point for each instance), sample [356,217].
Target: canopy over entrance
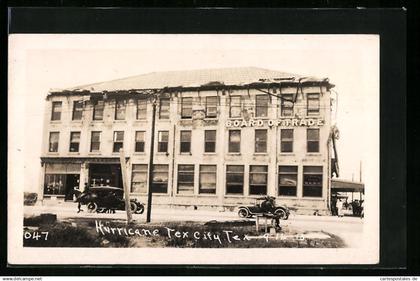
[347,186]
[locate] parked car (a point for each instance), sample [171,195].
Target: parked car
[264,205]
[101,199]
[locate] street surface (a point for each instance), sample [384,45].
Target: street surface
[350,229]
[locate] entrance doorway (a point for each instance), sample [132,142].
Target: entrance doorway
[105,175]
[72,182]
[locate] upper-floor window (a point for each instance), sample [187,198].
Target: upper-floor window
[261,141]
[95,141]
[118,141]
[235,107]
[141,109]
[286,138]
[140,141]
[286,105]
[211,107]
[164,107]
[208,179]
[261,105]
[77,110]
[312,136]
[210,141]
[53,141]
[185,141]
[234,141]
[120,109]
[185,179]
[186,107]
[234,179]
[74,141]
[258,179]
[98,110]
[163,139]
[56,110]
[313,104]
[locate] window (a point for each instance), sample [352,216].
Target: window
[287,105]
[53,143]
[260,141]
[312,136]
[313,104]
[95,141]
[235,108]
[234,179]
[140,136]
[286,138]
[210,141]
[164,108]
[208,177]
[288,180]
[56,110]
[74,141]
[141,109]
[119,109]
[160,178]
[55,184]
[185,179]
[261,102]
[118,141]
[163,139]
[234,141]
[211,107]
[185,141]
[258,180]
[77,110]
[186,107]
[98,110]
[139,178]
[312,181]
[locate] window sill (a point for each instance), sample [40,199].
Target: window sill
[94,153]
[55,121]
[260,154]
[313,198]
[119,121]
[287,154]
[53,153]
[76,121]
[210,153]
[139,153]
[185,153]
[74,153]
[314,154]
[234,154]
[162,153]
[235,196]
[97,121]
[196,195]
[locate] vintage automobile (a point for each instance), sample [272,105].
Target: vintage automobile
[264,205]
[103,199]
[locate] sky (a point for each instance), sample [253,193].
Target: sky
[38,63]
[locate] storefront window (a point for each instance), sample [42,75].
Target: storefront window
[185,141]
[208,177]
[56,110]
[141,109]
[288,180]
[235,109]
[312,181]
[119,109]
[312,136]
[286,137]
[234,179]
[54,184]
[140,140]
[77,110]
[185,179]
[234,141]
[98,110]
[74,141]
[160,178]
[53,142]
[260,141]
[118,141]
[210,141]
[258,180]
[163,138]
[211,107]
[95,141]
[287,105]
[186,107]
[139,178]
[261,102]
[313,104]
[164,108]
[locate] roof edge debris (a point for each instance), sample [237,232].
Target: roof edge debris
[201,79]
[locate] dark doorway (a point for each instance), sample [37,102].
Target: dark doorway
[105,175]
[72,182]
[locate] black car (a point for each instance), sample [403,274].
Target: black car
[102,199]
[264,205]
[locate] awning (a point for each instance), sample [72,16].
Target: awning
[347,186]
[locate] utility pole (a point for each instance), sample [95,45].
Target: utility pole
[125,185]
[360,172]
[152,152]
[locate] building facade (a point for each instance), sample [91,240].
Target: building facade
[222,138]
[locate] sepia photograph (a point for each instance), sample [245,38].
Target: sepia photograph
[193,149]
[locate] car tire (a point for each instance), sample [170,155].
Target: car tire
[281,213]
[243,213]
[140,208]
[92,207]
[133,207]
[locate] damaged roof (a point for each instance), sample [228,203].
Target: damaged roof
[239,76]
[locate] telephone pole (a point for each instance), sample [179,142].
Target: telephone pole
[152,150]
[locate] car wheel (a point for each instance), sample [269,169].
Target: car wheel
[92,207]
[140,208]
[281,213]
[243,213]
[133,207]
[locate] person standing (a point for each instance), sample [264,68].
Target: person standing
[340,208]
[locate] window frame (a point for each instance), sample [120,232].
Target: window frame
[77,110]
[306,186]
[186,172]
[251,185]
[154,183]
[95,110]
[139,169]
[185,146]
[160,143]
[115,142]
[95,142]
[210,141]
[77,148]
[57,142]
[316,110]
[186,106]
[141,109]
[310,142]
[54,113]
[231,106]
[258,107]
[136,142]
[118,103]
[164,107]
[212,173]
[259,142]
[214,105]
[287,173]
[231,173]
[283,101]
[230,143]
[287,140]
